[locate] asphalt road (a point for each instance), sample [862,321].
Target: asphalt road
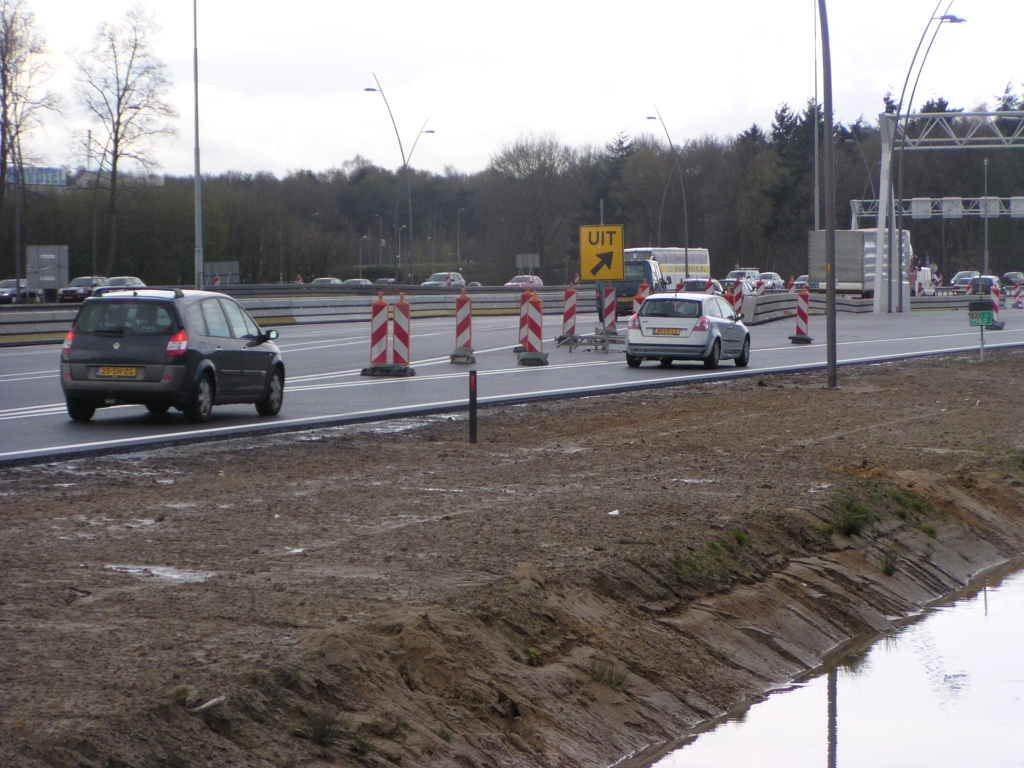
[324,385]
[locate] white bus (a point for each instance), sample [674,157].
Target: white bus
[676,263]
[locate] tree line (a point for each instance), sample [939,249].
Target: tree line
[749,198]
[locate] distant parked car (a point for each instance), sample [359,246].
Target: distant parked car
[473,284]
[446,279]
[801,282]
[772,281]
[17,292]
[968,273]
[80,288]
[124,283]
[356,282]
[385,281]
[699,285]
[322,281]
[525,281]
[1013,278]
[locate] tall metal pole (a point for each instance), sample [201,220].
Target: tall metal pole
[682,190]
[817,127]
[830,205]
[380,239]
[984,215]
[198,177]
[458,236]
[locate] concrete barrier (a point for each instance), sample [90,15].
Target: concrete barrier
[48,324]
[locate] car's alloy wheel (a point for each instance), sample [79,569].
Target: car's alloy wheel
[270,405]
[79,410]
[200,407]
[711,361]
[744,358]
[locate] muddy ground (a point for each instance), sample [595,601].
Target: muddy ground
[594,577]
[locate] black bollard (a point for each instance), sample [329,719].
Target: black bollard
[472,406]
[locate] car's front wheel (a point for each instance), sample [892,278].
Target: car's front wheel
[744,358]
[79,410]
[711,361]
[633,361]
[200,406]
[270,405]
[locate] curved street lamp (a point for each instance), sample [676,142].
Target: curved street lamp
[682,189]
[458,236]
[405,163]
[946,18]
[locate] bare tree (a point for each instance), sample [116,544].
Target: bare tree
[123,85]
[23,67]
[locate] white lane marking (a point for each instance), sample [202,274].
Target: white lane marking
[28,376]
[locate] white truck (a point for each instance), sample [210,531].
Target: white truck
[676,263]
[855,261]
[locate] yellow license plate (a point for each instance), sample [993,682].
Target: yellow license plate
[114,372]
[666,331]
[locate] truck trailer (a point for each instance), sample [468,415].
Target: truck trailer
[855,261]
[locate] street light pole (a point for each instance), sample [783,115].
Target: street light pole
[380,239]
[458,237]
[364,237]
[198,178]
[984,214]
[946,17]
[398,253]
[830,205]
[405,163]
[682,189]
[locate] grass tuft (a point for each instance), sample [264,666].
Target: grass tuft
[322,729]
[362,745]
[445,734]
[891,563]
[533,656]
[929,530]
[850,517]
[617,677]
[740,537]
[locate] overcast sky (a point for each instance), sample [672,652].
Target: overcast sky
[281,83]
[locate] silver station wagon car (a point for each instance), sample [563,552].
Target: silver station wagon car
[686,326]
[189,350]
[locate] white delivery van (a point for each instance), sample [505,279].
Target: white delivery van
[676,263]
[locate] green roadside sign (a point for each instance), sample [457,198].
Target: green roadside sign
[980,313]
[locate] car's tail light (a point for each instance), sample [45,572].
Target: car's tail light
[634,322]
[178,343]
[703,324]
[65,351]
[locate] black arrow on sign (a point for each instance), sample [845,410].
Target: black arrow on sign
[604,261]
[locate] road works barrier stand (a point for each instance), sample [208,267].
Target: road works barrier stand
[390,329]
[641,293]
[533,353]
[996,324]
[463,352]
[568,334]
[803,307]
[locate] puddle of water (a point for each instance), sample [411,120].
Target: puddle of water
[164,572]
[944,692]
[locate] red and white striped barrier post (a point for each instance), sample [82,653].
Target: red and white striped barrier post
[608,300]
[463,352]
[389,338]
[534,353]
[760,289]
[641,293]
[401,332]
[737,297]
[709,286]
[379,331]
[803,310]
[730,297]
[524,299]
[1018,302]
[996,297]
[569,312]
[791,285]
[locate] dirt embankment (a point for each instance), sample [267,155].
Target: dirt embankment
[365,597]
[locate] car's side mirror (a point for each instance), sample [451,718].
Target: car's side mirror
[271,335]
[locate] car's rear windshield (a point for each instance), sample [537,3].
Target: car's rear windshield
[670,308]
[633,272]
[139,317]
[80,282]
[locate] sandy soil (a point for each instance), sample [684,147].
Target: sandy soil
[592,578]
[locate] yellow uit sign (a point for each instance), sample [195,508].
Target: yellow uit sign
[601,252]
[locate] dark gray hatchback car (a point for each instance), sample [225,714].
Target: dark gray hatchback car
[189,350]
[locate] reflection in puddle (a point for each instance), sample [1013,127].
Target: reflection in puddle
[944,692]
